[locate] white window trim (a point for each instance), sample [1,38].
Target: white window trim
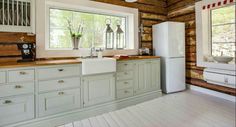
[203,35]
[42,26]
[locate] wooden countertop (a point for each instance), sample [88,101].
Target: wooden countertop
[62,61]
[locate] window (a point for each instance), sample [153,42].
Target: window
[223,31]
[94,26]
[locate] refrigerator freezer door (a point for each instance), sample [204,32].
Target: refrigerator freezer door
[174,75]
[176,39]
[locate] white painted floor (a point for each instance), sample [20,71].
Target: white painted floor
[186,109]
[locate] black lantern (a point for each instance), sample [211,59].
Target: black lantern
[120,44]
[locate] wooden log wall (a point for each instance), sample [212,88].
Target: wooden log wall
[8,45]
[184,11]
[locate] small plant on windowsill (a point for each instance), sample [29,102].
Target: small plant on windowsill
[76,34]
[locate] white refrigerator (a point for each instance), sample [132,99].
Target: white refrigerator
[169,43]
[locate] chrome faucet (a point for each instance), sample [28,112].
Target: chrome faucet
[91,51]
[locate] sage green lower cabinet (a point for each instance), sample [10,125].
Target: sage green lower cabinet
[51,91]
[16,109]
[59,101]
[98,89]
[147,75]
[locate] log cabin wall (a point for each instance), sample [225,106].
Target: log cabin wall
[184,11]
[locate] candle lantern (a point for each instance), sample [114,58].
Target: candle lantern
[109,35]
[119,37]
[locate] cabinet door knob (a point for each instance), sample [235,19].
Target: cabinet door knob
[126,82]
[126,73]
[18,86]
[61,93]
[126,91]
[7,102]
[60,70]
[126,64]
[61,81]
[22,73]
[226,80]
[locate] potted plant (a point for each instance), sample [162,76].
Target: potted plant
[76,34]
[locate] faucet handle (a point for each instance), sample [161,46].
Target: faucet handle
[99,50]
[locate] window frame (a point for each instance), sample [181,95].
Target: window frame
[211,27]
[42,24]
[203,37]
[89,12]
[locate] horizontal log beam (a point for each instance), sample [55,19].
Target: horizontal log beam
[153,16]
[181,11]
[201,83]
[10,37]
[141,7]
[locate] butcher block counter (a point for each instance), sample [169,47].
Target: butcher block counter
[46,62]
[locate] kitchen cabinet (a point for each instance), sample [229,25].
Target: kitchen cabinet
[147,75]
[16,109]
[125,79]
[33,93]
[21,75]
[98,89]
[59,101]
[14,89]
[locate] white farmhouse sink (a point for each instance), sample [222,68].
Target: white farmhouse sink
[92,66]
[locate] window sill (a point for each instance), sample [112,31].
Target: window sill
[230,66]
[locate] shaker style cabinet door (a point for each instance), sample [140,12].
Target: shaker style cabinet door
[16,109]
[155,75]
[147,76]
[59,101]
[98,89]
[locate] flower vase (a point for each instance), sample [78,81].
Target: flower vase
[75,42]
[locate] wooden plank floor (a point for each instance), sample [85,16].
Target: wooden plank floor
[186,109]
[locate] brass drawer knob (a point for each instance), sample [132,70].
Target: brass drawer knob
[126,82]
[126,73]
[60,70]
[7,102]
[18,86]
[126,91]
[126,64]
[61,81]
[22,73]
[61,93]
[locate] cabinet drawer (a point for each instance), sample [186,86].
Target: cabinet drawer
[124,84]
[56,102]
[59,84]
[124,66]
[124,75]
[125,93]
[58,72]
[21,75]
[2,77]
[16,89]
[16,109]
